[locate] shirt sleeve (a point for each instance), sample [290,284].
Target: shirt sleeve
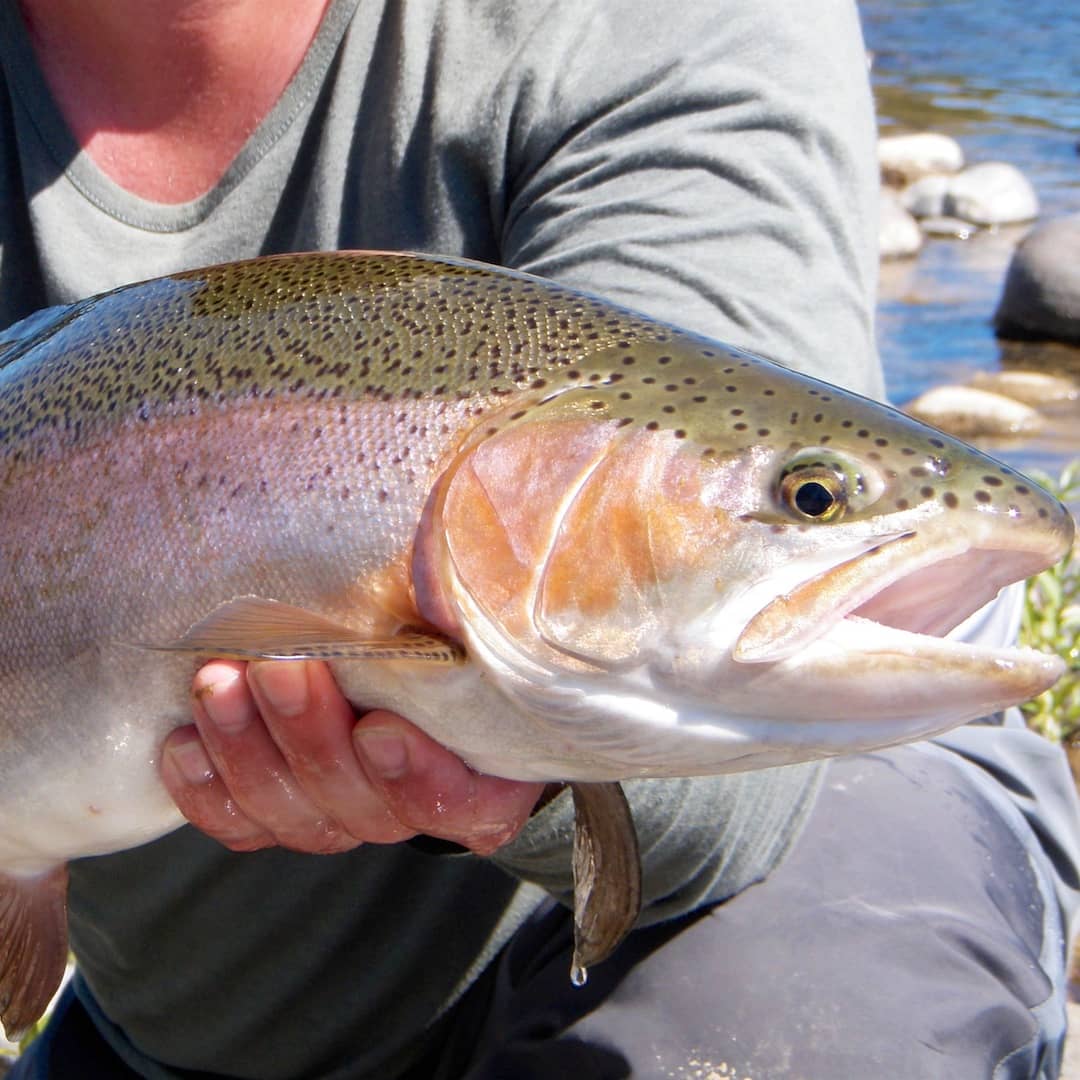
[713,168]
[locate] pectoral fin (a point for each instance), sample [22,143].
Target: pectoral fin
[253,628]
[33,946]
[607,874]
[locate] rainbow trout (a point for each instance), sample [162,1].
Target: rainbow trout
[570,542]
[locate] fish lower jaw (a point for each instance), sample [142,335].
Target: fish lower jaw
[956,676]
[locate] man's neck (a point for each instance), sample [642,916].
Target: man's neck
[162,94]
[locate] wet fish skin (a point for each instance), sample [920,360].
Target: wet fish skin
[601,510]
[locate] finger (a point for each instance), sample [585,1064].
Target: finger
[311,724]
[251,766]
[432,791]
[198,791]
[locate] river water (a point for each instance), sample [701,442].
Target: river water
[1002,77]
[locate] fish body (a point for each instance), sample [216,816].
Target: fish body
[569,542]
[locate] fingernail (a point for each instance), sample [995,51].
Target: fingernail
[282,684]
[384,750]
[228,712]
[190,760]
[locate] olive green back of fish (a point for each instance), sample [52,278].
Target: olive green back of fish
[318,326]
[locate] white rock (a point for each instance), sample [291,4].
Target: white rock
[925,197]
[966,412]
[992,193]
[899,234]
[1041,297]
[1030,387]
[904,158]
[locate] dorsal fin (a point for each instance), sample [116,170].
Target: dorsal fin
[24,334]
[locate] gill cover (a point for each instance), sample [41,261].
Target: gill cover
[558,533]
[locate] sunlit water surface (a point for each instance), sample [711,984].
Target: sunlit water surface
[1003,79]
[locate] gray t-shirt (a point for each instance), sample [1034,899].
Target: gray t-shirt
[711,165]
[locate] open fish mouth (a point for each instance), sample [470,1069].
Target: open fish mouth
[896,603]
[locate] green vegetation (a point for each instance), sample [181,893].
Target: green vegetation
[1051,622]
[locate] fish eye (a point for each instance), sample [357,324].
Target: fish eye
[826,484]
[814,491]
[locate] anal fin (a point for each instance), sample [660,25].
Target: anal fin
[254,628]
[607,874]
[33,946]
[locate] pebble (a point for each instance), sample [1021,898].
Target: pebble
[925,197]
[967,412]
[952,228]
[1070,1065]
[991,193]
[899,235]
[1041,296]
[904,158]
[1031,387]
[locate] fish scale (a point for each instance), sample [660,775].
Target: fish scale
[569,542]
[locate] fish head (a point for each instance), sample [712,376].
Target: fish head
[729,565]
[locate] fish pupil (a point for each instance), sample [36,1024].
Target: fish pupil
[814,499]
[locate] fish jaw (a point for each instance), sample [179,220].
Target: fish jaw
[925,580]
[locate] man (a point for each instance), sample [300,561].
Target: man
[713,167]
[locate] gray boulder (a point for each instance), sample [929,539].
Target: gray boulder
[1041,296]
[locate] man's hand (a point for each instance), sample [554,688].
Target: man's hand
[277,756]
